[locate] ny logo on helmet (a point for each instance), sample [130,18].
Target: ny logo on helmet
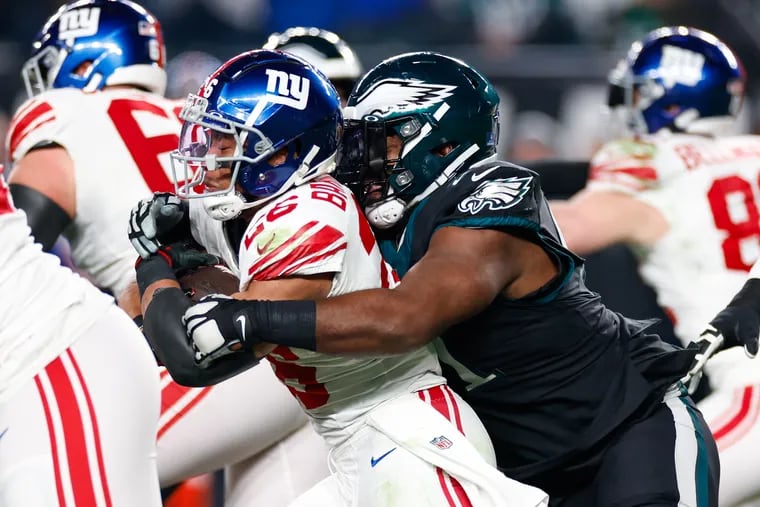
[680,66]
[79,23]
[287,89]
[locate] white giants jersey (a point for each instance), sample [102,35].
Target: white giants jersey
[318,228]
[707,189]
[43,307]
[119,141]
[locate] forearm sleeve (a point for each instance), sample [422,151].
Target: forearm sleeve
[46,219]
[165,332]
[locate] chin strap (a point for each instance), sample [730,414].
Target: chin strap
[385,214]
[224,207]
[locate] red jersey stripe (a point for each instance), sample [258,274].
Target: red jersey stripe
[300,246]
[171,396]
[18,131]
[53,443]
[269,257]
[95,430]
[73,429]
[738,417]
[267,275]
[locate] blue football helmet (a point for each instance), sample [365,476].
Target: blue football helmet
[266,103]
[120,42]
[680,79]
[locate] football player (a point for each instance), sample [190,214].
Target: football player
[65,351]
[93,139]
[685,195]
[255,153]
[330,54]
[577,399]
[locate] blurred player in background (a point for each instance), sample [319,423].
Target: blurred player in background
[93,139]
[330,54]
[256,150]
[686,196]
[79,392]
[577,399]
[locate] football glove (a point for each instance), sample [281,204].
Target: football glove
[162,219]
[709,342]
[218,326]
[169,262]
[739,322]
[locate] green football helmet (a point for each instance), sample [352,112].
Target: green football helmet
[442,113]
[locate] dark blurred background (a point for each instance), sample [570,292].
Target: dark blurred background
[548,57]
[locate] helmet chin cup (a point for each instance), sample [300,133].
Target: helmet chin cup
[224,207]
[385,214]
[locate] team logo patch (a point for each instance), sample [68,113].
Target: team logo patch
[496,194]
[398,95]
[442,442]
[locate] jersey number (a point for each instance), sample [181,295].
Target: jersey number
[726,195]
[144,150]
[312,394]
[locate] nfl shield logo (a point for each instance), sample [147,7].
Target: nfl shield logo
[442,442]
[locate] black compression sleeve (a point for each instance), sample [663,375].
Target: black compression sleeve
[165,332]
[289,323]
[46,219]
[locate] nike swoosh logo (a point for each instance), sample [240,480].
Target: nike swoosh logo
[478,177]
[265,246]
[241,320]
[373,461]
[6,430]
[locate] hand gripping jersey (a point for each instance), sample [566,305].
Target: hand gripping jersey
[44,307]
[119,141]
[552,375]
[318,228]
[707,189]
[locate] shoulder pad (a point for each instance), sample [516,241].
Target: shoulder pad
[41,120]
[627,165]
[302,232]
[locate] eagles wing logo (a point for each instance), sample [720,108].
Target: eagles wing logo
[397,95]
[496,194]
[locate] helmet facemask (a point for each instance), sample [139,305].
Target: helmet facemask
[253,178]
[40,71]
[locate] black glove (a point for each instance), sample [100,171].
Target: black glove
[162,219]
[739,322]
[219,325]
[169,262]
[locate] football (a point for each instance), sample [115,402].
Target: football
[208,280]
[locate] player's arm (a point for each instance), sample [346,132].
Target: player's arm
[42,184]
[739,321]
[462,272]
[164,304]
[594,219]
[459,276]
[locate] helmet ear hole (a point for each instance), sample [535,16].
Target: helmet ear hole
[82,69]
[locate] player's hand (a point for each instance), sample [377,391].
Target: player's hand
[739,322]
[162,218]
[217,328]
[182,257]
[709,342]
